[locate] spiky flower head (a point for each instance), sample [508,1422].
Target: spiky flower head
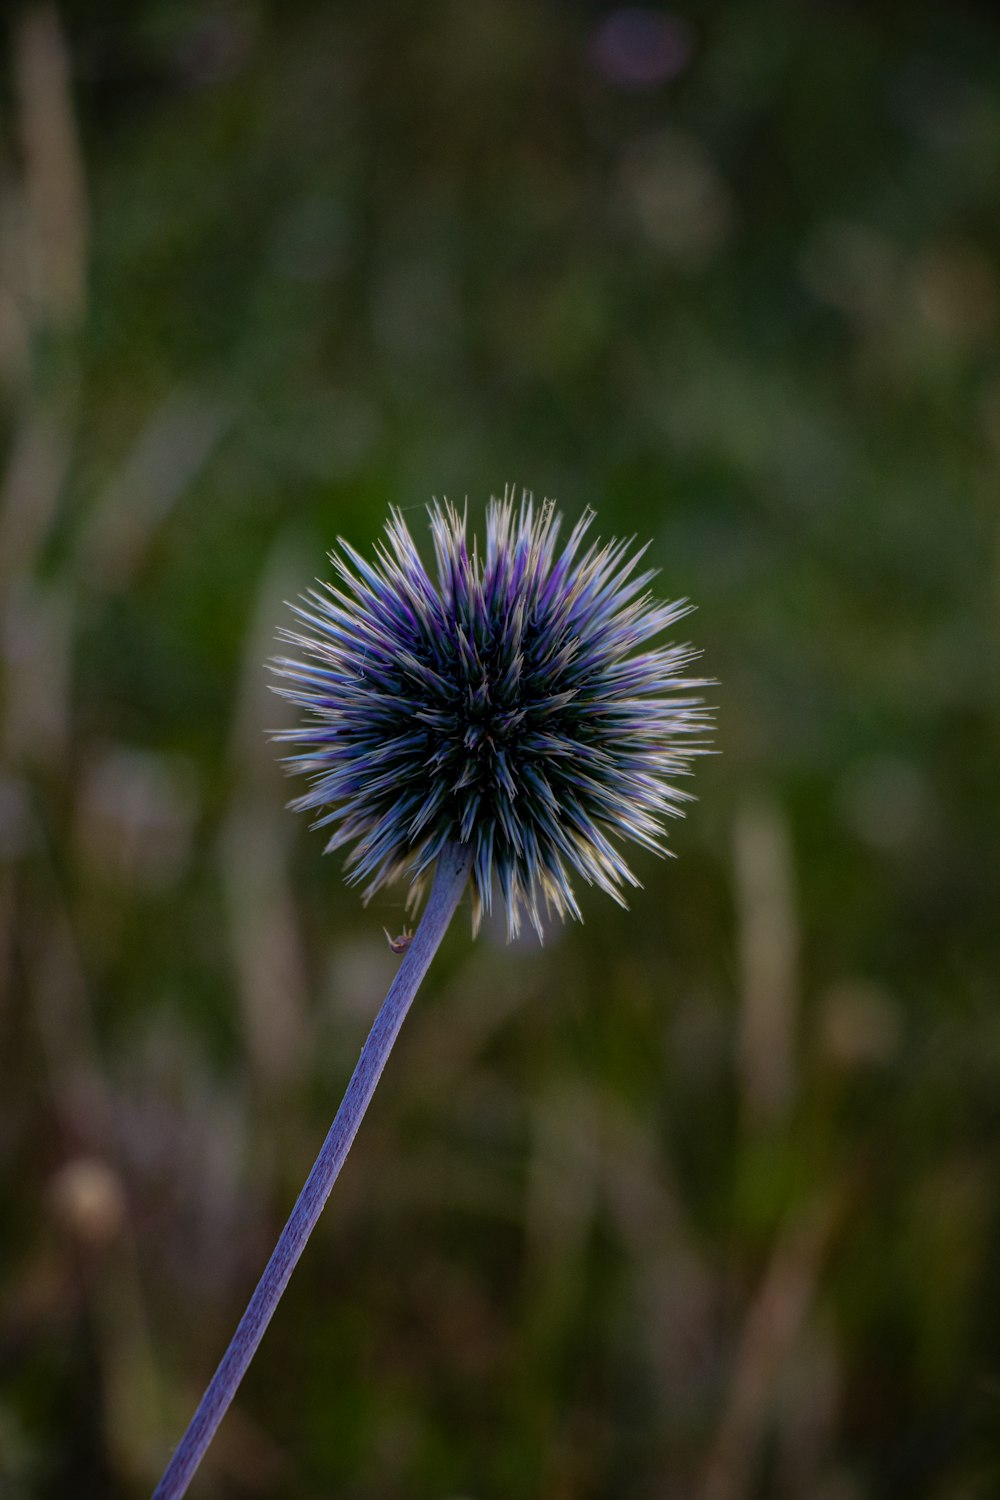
[511,699]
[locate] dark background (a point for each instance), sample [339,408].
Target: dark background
[696,1202]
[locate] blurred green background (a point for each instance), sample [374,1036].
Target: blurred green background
[695,1202]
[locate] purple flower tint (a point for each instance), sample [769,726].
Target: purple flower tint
[511,700]
[636,47]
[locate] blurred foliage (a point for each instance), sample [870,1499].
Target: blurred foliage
[699,1200]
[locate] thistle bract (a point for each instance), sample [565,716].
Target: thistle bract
[514,699]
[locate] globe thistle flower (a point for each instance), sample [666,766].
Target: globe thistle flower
[512,700]
[509,718]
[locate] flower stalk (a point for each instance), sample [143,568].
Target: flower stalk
[451,875]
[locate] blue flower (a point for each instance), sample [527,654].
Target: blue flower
[513,700]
